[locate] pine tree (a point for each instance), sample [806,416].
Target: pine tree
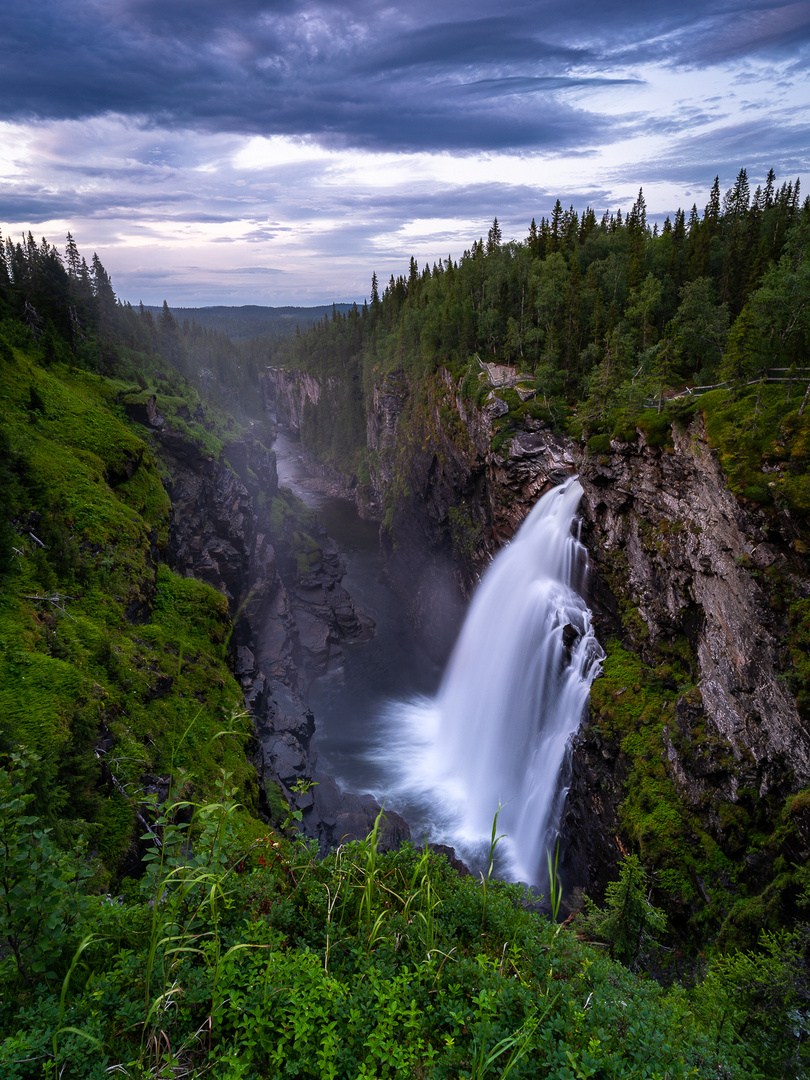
[72,258]
[102,288]
[494,238]
[769,186]
[711,215]
[554,236]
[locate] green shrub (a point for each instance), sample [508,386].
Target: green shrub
[628,919]
[599,444]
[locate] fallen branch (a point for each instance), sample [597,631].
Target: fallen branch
[56,599]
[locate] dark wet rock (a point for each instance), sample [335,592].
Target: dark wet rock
[449,853]
[284,634]
[143,410]
[336,817]
[591,845]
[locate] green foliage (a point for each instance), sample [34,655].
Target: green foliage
[763,443]
[599,444]
[362,964]
[43,898]
[633,706]
[628,919]
[657,427]
[761,996]
[98,638]
[600,316]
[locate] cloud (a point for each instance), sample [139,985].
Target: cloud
[427,75]
[332,138]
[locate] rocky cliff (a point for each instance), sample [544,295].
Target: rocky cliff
[666,531]
[697,585]
[288,392]
[689,583]
[289,621]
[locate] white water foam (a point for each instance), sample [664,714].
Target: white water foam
[513,694]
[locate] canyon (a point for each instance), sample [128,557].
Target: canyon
[678,564]
[289,623]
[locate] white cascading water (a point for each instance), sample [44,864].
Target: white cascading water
[513,694]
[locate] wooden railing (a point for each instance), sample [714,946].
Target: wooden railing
[796,375]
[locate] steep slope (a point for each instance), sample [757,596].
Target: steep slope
[142,575]
[698,748]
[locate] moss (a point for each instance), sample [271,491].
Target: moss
[599,444]
[75,672]
[277,806]
[797,804]
[657,427]
[632,707]
[763,445]
[465,532]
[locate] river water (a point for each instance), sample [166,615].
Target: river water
[390,667]
[489,736]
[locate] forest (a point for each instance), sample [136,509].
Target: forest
[192,930]
[606,317]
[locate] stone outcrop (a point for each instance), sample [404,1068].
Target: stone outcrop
[664,524]
[288,627]
[287,393]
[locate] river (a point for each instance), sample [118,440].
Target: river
[392,666]
[485,743]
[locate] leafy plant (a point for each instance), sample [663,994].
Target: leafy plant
[43,890]
[554,883]
[485,879]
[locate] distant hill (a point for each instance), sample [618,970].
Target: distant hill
[253,321]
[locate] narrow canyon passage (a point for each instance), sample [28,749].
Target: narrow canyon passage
[447,751]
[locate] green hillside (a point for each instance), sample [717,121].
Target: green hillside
[151,925]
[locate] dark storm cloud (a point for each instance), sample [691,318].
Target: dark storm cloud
[472,43]
[431,76]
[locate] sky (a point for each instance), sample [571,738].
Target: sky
[280,151]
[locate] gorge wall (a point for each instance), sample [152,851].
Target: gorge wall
[687,583]
[290,621]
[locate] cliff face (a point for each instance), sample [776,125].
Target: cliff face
[444,500]
[288,626]
[666,529]
[678,564]
[289,392]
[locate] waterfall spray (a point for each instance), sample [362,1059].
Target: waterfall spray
[513,694]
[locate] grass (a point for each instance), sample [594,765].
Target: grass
[100,645]
[252,958]
[763,444]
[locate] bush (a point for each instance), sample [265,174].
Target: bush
[628,919]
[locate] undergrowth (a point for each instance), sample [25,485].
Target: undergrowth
[106,655]
[763,443]
[259,960]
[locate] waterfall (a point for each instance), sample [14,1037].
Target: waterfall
[513,694]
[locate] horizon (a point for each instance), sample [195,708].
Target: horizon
[279,153]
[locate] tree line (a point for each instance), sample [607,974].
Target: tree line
[604,312]
[68,312]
